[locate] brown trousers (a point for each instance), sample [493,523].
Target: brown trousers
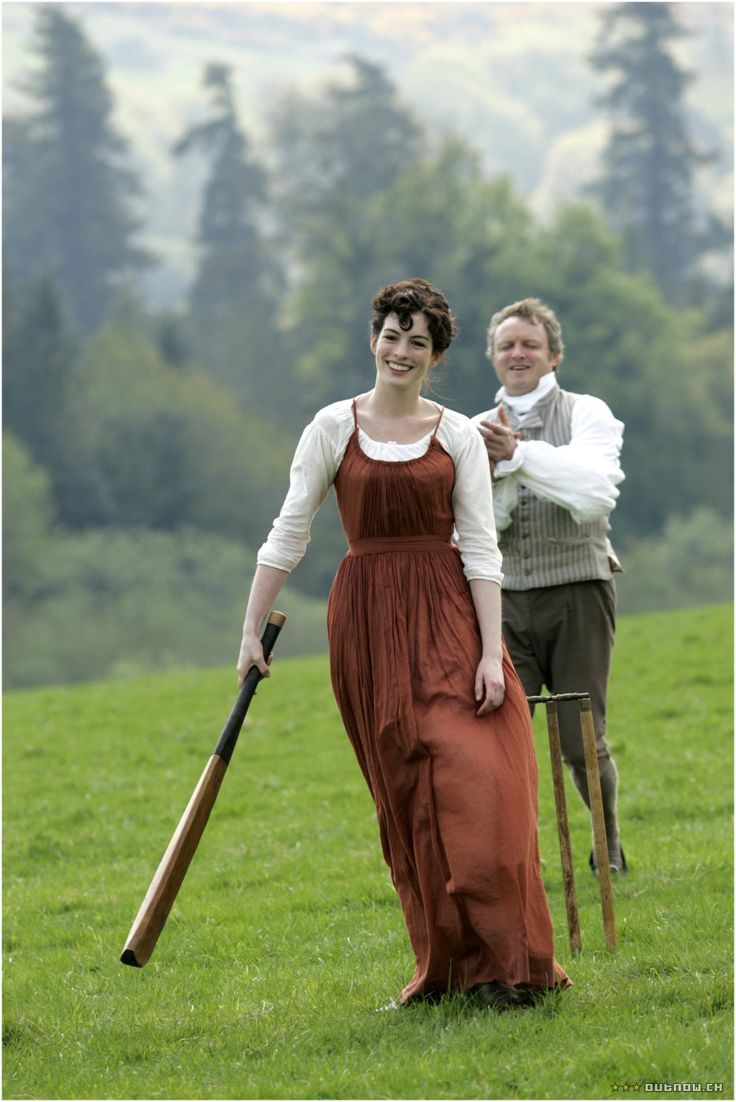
[561,637]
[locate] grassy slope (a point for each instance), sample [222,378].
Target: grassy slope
[287,932]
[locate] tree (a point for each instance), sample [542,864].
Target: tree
[150,446]
[339,148]
[648,165]
[658,569]
[68,189]
[439,218]
[333,152]
[334,155]
[38,352]
[28,517]
[233,301]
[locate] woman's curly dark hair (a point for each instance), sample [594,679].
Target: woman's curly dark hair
[415,296]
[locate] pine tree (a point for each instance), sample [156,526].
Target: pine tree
[354,140]
[68,190]
[648,166]
[234,327]
[235,187]
[336,154]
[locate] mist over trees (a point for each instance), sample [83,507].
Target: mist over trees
[146,452]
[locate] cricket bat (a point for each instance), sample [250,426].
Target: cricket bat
[159,899]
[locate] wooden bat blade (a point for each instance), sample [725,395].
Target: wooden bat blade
[159,899]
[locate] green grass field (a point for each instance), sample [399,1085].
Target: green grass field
[287,934]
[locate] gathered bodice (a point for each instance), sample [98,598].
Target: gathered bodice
[396,499]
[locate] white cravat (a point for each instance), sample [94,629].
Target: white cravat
[522,404]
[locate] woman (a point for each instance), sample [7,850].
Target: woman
[430,701]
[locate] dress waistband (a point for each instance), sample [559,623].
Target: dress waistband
[379,544]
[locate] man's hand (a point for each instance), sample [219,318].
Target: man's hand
[499,438]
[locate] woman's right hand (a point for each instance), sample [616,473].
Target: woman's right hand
[251,654]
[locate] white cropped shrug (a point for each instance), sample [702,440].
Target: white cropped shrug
[319,454]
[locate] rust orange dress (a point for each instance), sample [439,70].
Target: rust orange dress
[455,793]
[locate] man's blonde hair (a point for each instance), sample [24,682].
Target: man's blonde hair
[534,310]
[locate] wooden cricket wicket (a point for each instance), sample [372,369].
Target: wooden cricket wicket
[600,845]
[600,842]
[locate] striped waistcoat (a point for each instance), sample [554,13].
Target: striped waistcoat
[543,545]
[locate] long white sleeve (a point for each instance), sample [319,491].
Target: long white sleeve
[472,504]
[581,476]
[313,471]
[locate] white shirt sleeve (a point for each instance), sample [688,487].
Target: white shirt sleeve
[472,502]
[505,500]
[313,471]
[581,476]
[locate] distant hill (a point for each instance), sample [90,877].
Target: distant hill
[512,78]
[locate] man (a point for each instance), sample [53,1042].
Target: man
[554,459]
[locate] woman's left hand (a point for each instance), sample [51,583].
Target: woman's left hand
[490,687]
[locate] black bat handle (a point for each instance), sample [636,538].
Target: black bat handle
[231,730]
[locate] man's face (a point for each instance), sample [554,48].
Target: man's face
[521,355]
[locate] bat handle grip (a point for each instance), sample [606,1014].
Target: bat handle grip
[231,730]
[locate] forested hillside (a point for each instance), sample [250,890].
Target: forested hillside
[146,449]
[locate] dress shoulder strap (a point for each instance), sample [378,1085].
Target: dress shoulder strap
[355,413]
[436,427]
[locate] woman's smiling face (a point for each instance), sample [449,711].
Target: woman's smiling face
[403,356]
